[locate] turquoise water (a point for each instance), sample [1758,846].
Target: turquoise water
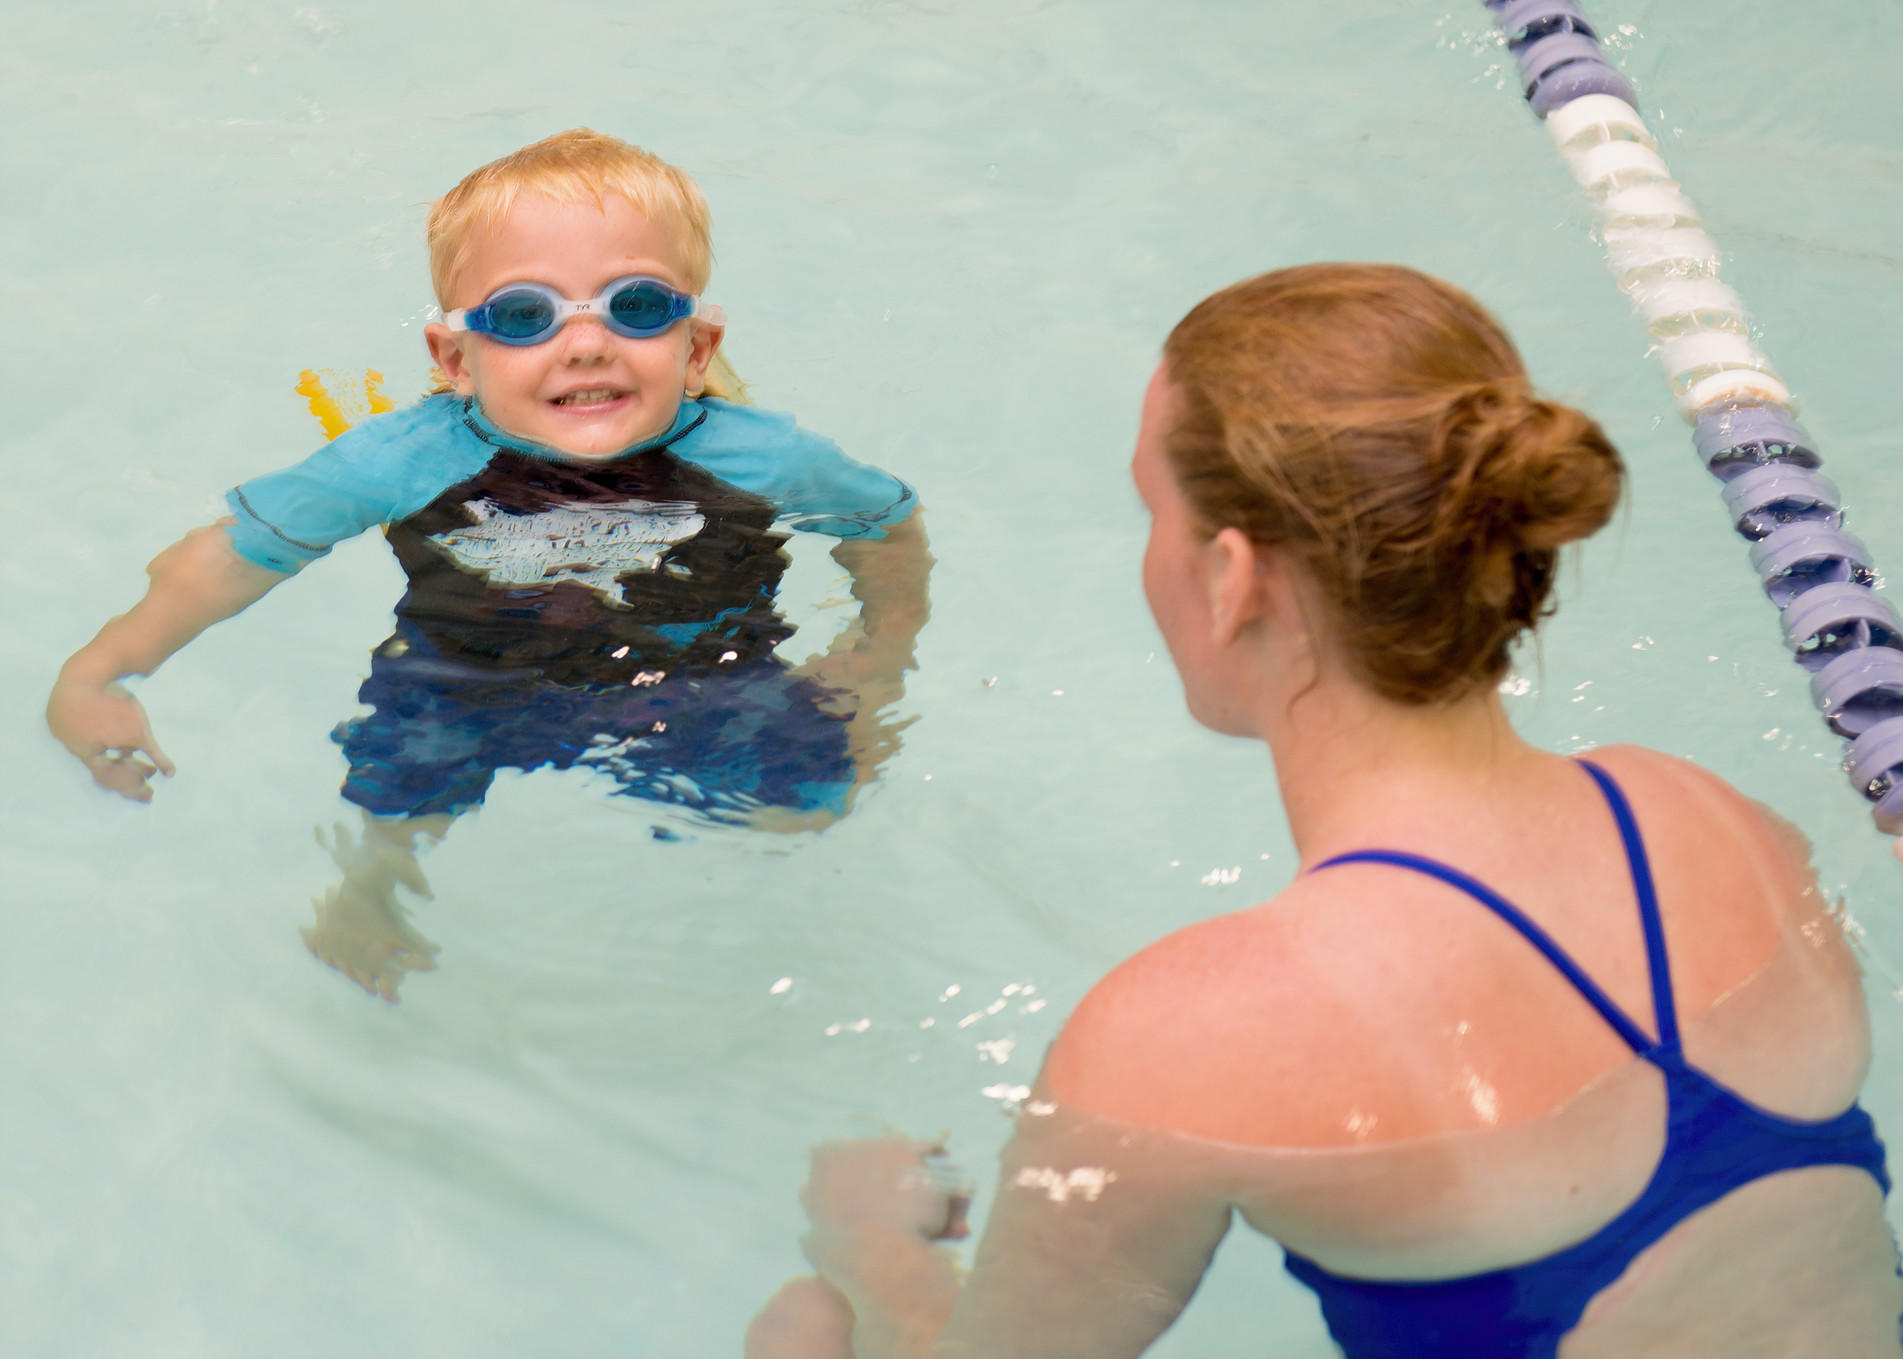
[952,236]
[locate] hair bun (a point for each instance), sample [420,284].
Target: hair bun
[1523,473]
[1377,425]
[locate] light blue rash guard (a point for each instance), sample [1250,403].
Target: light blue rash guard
[395,465]
[618,615]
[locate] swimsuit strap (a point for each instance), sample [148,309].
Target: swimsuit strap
[1635,1037]
[1664,1007]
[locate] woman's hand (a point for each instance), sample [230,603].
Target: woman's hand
[807,1319]
[107,731]
[877,1207]
[878,1195]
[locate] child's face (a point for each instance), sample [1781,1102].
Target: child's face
[586,391]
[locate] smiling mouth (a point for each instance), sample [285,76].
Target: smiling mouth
[593,396]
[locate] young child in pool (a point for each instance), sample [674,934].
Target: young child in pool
[585,510]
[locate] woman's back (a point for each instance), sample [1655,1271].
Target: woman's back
[1432,1099]
[1536,1056]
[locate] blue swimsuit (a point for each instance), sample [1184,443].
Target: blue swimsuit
[1715,1142]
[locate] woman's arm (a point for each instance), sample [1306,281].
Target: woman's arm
[1097,1237]
[198,581]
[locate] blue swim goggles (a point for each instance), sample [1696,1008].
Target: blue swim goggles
[637,306]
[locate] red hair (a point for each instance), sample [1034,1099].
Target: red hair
[1378,424]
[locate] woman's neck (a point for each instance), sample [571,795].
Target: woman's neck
[1351,763]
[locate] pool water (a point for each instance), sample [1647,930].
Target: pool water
[952,236]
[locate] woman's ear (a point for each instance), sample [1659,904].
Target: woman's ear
[1234,580]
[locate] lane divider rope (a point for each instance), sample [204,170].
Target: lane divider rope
[1839,629]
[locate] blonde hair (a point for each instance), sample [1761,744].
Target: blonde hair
[1378,424]
[579,166]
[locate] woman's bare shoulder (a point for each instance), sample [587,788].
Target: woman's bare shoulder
[1675,797]
[1212,1030]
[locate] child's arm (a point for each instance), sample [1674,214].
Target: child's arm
[198,581]
[865,665]
[864,668]
[889,578]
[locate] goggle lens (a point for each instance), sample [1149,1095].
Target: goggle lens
[643,308]
[529,313]
[521,315]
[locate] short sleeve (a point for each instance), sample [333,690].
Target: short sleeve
[816,487]
[386,468]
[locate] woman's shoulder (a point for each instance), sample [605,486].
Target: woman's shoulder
[1210,1029]
[1274,1025]
[1694,818]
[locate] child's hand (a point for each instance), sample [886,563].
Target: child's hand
[106,730]
[361,929]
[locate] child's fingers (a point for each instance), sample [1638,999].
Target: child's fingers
[410,873]
[160,759]
[122,772]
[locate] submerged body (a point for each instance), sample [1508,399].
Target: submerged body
[1473,1141]
[618,614]
[1533,1060]
[586,513]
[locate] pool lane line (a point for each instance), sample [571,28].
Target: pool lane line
[1839,629]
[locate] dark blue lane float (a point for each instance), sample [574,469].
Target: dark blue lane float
[1848,637]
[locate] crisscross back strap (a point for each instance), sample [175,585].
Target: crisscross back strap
[1635,1037]
[1664,1007]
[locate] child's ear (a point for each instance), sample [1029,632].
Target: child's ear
[703,343]
[446,351]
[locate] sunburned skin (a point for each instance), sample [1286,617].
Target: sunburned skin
[1152,1204]
[1497,1183]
